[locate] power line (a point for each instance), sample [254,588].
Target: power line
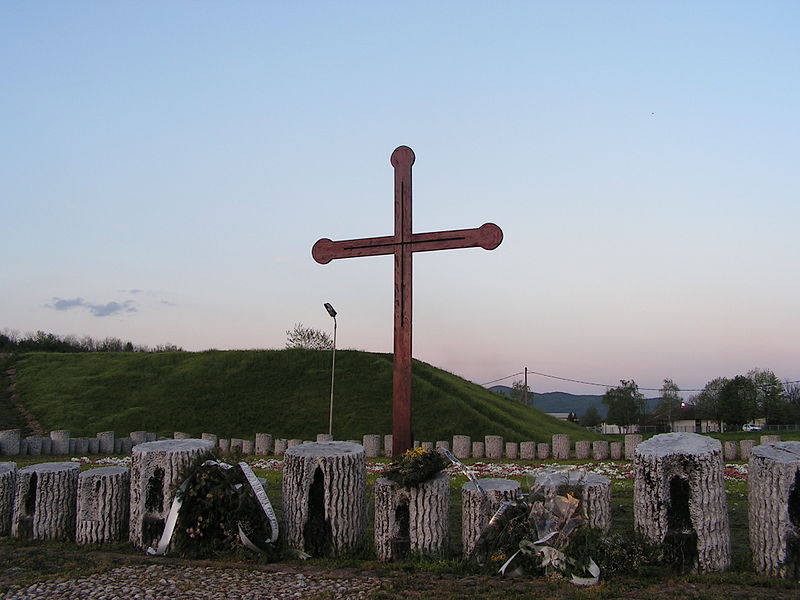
[605,385]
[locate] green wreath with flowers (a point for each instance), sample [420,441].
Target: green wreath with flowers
[415,467]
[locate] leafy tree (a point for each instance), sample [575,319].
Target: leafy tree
[591,418]
[670,402]
[625,404]
[521,392]
[791,393]
[770,401]
[307,338]
[707,403]
[738,399]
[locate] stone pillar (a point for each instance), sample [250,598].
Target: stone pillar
[493,445]
[324,504]
[512,450]
[527,450]
[8,487]
[138,437]
[224,444]
[247,447]
[729,450]
[34,443]
[679,499]
[593,490]
[616,450]
[103,505]
[125,445]
[561,446]
[478,449]
[442,445]
[372,445]
[82,446]
[542,450]
[462,446]
[47,446]
[280,446]
[44,502]
[155,470]
[411,519]
[106,442]
[210,437]
[600,450]
[387,445]
[768,439]
[427,446]
[293,442]
[324,437]
[745,448]
[93,445]
[60,438]
[263,444]
[583,450]
[237,445]
[477,509]
[632,440]
[774,509]
[10,442]
[181,435]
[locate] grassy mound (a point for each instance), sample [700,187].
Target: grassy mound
[283,392]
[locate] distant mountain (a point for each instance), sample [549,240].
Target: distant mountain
[562,402]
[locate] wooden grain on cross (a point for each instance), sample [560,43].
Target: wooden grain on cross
[403,244]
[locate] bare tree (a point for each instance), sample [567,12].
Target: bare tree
[307,338]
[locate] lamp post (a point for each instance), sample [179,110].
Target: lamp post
[332,313]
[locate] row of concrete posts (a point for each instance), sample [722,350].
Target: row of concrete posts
[492,447]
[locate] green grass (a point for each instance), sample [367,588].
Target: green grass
[282,392]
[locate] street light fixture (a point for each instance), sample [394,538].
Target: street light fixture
[332,313]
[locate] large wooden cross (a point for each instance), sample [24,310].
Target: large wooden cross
[402,244]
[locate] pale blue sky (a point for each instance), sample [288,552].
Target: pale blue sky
[165,168]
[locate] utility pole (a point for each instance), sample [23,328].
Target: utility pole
[525,394]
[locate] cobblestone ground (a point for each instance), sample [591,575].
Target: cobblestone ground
[157,582]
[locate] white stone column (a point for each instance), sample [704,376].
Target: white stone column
[263,444]
[372,445]
[600,450]
[632,440]
[44,501]
[774,509]
[679,498]
[103,505]
[561,446]
[583,450]
[477,509]
[462,446]
[493,446]
[8,488]
[411,519]
[478,449]
[156,468]
[324,506]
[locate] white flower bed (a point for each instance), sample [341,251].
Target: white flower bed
[616,471]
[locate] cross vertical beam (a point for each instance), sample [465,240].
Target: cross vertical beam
[402,437]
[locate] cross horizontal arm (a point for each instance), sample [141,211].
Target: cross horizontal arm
[488,236]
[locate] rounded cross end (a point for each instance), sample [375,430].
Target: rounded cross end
[402,156]
[321,251]
[491,236]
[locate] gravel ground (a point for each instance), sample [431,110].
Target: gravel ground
[157,582]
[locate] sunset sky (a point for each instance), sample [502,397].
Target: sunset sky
[165,168]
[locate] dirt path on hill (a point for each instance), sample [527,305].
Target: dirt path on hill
[9,380]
